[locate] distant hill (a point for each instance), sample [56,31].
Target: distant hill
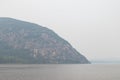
[24,42]
[105,61]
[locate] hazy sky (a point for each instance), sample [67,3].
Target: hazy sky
[91,26]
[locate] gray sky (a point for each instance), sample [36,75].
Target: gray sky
[91,26]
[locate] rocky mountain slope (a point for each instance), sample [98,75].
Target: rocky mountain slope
[24,42]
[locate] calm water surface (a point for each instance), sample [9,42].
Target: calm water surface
[60,72]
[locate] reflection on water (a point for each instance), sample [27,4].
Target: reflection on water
[60,72]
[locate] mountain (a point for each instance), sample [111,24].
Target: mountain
[24,42]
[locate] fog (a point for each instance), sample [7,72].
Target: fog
[91,26]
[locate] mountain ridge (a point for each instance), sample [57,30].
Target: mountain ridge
[26,42]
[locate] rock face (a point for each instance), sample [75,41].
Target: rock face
[24,42]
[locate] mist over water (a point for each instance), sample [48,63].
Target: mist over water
[60,72]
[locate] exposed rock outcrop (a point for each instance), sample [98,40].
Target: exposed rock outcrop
[24,42]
